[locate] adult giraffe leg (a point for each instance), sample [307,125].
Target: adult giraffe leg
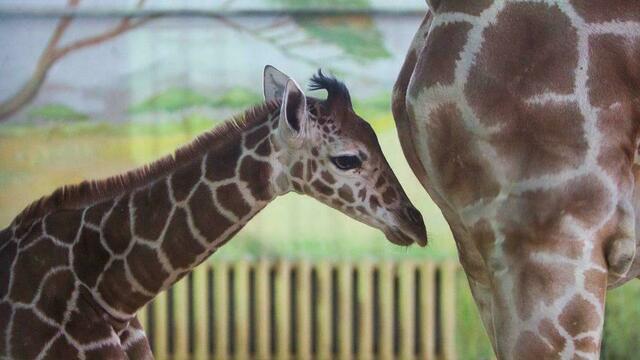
[546,303]
[134,341]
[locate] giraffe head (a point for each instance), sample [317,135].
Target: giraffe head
[328,152]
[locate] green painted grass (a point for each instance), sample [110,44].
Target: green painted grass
[56,112]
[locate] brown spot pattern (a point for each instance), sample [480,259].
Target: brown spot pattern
[442,49]
[617,152]
[116,290]
[56,291]
[29,334]
[551,334]
[529,346]
[230,197]
[542,140]
[146,267]
[32,265]
[346,194]
[327,177]
[185,179]
[540,283]
[389,196]
[151,209]
[117,229]
[179,244]
[64,225]
[322,188]
[95,213]
[464,6]
[7,256]
[374,204]
[5,315]
[579,316]
[61,349]
[221,164]
[595,282]
[206,217]
[530,49]
[297,170]
[89,257]
[463,173]
[253,138]
[607,10]
[614,71]
[264,149]
[256,173]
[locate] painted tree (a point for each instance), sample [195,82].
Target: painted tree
[356,36]
[54,51]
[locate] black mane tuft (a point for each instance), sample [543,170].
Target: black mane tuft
[335,88]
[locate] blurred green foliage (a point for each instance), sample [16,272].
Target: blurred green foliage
[171,100]
[177,99]
[56,112]
[621,335]
[237,98]
[358,37]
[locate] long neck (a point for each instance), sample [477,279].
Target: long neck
[160,232]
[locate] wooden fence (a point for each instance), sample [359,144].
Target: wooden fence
[307,310]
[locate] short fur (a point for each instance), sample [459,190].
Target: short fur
[77,195]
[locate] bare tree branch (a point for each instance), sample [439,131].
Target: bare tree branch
[269,40]
[123,26]
[53,52]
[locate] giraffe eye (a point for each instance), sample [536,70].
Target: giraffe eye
[346,162]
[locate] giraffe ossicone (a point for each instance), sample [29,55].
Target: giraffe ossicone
[520,118]
[75,266]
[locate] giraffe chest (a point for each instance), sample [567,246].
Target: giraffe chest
[510,122]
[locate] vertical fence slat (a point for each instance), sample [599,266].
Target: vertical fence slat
[200,312]
[263,310]
[386,310]
[323,300]
[180,312]
[427,306]
[160,345]
[323,322]
[406,298]
[142,317]
[448,306]
[303,311]
[365,309]
[241,310]
[283,307]
[345,295]
[221,310]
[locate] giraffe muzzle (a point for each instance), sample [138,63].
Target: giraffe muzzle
[411,228]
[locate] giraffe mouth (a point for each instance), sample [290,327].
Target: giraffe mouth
[398,237]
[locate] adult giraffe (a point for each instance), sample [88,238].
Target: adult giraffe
[77,265]
[520,118]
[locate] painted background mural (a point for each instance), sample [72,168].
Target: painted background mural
[124,82]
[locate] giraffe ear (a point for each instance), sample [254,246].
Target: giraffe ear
[274,82]
[293,112]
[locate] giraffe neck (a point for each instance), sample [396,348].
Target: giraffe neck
[154,235]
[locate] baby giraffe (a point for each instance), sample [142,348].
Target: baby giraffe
[75,266]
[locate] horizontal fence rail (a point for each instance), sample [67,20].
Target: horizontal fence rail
[307,310]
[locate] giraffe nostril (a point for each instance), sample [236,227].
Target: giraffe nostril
[414,215]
